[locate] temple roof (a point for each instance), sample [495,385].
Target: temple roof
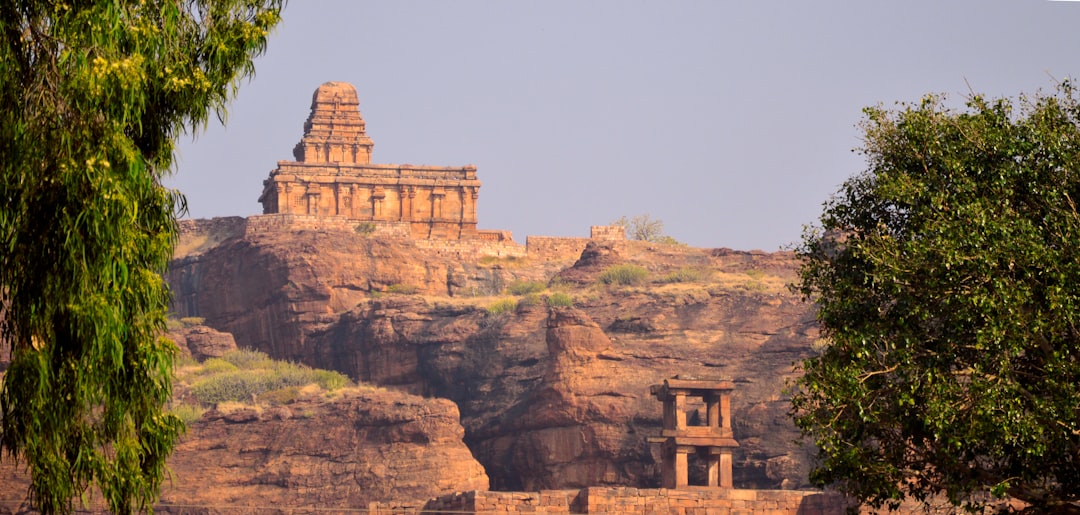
[335,121]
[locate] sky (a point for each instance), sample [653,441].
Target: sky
[730,121]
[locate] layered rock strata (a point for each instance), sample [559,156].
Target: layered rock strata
[549,397]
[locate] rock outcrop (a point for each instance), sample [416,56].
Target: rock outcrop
[201,342]
[361,447]
[549,397]
[345,452]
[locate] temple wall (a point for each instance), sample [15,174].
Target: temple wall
[627,501]
[291,222]
[550,248]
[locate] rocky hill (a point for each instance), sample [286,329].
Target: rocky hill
[552,386]
[510,373]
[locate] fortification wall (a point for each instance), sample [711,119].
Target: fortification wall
[463,249]
[231,225]
[487,243]
[628,501]
[292,222]
[549,248]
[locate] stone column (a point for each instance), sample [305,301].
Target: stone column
[680,411]
[712,406]
[724,464]
[712,464]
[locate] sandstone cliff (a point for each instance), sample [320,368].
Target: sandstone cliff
[362,445]
[549,397]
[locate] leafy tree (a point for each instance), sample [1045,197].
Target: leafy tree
[645,228]
[92,97]
[947,281]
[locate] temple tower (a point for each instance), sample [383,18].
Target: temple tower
[335,130]
[333,176]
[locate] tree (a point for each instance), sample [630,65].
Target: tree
[645,228]
[92,97]
[946,284]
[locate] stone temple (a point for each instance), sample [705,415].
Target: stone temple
[333,176]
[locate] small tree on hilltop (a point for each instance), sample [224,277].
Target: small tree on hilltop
[92,97]
[644,228]
[947,291]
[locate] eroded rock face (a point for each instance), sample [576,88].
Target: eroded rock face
[549,397]
[201,342]
[360,447]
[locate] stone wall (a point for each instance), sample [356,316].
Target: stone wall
[472,248]
[627,501]
[230,225]
[291,222]
[547,248]
[494,243]
[607,232]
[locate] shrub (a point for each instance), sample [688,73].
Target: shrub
[246,359]
[331,380]
[281,395]
[686,274]
[624,275]
[189,413]
[559,299]
[525,287]
[365,228]
[192,321]
[502,306]
[531,299]
[403,289]
[217,366]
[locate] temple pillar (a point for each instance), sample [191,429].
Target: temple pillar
[682,466]
[724,464]
[712,407]
[680,411]
[712,468]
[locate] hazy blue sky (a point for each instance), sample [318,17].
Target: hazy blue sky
[730,121]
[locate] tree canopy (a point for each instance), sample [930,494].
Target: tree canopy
[947,284]
[645,228]
[92,98]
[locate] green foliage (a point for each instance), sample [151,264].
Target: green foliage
[946,282]
[686,274]
[365,228]
[402,289]
[192,321]
[531,299]
[217,366]
[502,306]
[92,97]
[559,299]
[188,413]
[645,228]
[242,375]
[331,380]
[624,274]
[247,359]
[525,287]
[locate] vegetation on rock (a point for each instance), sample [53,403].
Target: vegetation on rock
[247,375]
[945,278]
[624,274]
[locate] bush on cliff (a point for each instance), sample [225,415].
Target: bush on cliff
[243,375]
[625,274]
